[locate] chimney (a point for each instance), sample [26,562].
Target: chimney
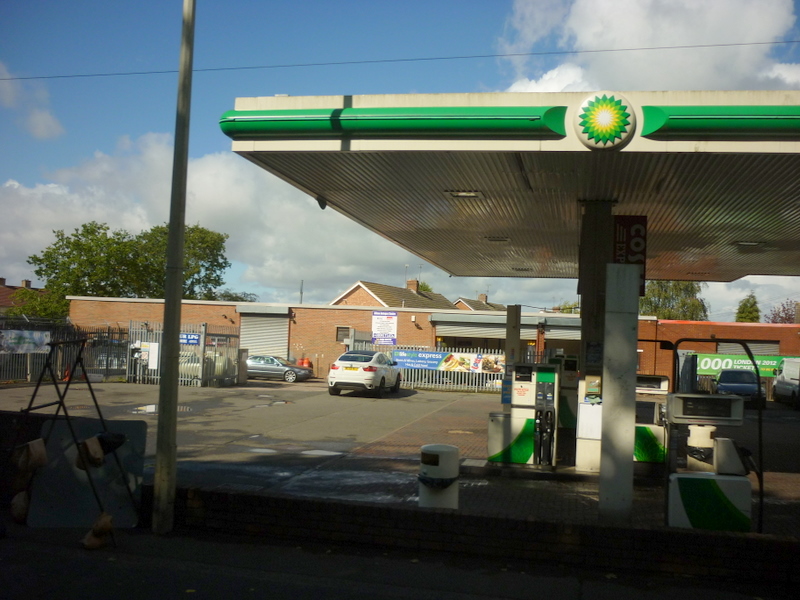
[26,283]
[413,285]
[2,280]
[483,298]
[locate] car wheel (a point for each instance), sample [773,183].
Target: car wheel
[334,391]
[396,386]
[379,391]
[290,377]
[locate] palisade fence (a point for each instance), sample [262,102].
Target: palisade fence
[447,380]
[104,356]
[209,354]
[118,353]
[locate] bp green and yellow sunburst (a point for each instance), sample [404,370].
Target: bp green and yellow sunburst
[605,119]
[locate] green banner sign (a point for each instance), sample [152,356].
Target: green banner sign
[712,364]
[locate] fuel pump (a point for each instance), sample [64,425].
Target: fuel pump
[526,432]
[718,497]
[546,415]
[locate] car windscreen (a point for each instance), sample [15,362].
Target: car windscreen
[365,358]
[738,377]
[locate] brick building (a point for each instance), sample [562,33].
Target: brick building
[320,332]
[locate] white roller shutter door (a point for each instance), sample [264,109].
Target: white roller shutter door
[265,334]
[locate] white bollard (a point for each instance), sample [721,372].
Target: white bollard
[438,476]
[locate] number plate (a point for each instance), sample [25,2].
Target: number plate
[351,368]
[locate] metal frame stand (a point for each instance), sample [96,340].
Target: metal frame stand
[49,368]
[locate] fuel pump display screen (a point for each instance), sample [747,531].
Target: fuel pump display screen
[523,373]
[707,407]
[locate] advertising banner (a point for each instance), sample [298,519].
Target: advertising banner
[16,341]
[712,364]
[448,361]
[384,328]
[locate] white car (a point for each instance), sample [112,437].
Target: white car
[364,370]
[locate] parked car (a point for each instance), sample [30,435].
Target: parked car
[786,385]
[275,367]
[741,382]
[364,370]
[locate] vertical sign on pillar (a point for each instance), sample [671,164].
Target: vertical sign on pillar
[630,243]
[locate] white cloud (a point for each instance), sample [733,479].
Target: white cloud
[32,102]
[9,89]
[788,75]
[278,235]
[564,78]
[42,124]
[594,25]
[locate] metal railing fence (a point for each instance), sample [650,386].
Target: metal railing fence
[455,380]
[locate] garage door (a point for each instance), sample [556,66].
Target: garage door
[265,334]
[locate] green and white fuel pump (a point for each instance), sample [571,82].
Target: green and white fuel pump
[699,498]
[526,431]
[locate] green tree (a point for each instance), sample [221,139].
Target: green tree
[568,307]
[93,261]
[42,304]
[96,261]
[227,295]
[785,312]
[748,311]
[204,262]
[425,287]
[674,300]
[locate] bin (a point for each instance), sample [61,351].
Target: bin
[438,476]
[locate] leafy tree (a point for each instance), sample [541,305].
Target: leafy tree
[96,261]
[568,307]
[425,287]
[227,295]
[93,261]
[674,300]
[748,311]
[783,313]
[42,304]
[204,262]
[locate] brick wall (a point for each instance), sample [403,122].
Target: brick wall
[359,297]
[118,312]
[312,332]
[738,556]
[655,361]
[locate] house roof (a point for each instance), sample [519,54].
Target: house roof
[479,304]
[7,291]
[397,297]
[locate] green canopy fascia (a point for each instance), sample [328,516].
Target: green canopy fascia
[539,122]
[721,122]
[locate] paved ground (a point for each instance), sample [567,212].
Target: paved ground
[269,438]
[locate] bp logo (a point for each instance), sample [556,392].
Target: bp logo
[605,120]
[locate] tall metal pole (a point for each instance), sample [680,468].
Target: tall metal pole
[166,448]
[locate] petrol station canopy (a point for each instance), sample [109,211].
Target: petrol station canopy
[494,184]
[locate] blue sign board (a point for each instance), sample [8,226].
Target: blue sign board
[190,339]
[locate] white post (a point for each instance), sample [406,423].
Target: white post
[619,392]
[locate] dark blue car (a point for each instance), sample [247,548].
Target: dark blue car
[740,382]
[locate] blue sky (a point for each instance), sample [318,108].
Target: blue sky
[100,148]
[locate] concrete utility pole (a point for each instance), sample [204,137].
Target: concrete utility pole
[166,449]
